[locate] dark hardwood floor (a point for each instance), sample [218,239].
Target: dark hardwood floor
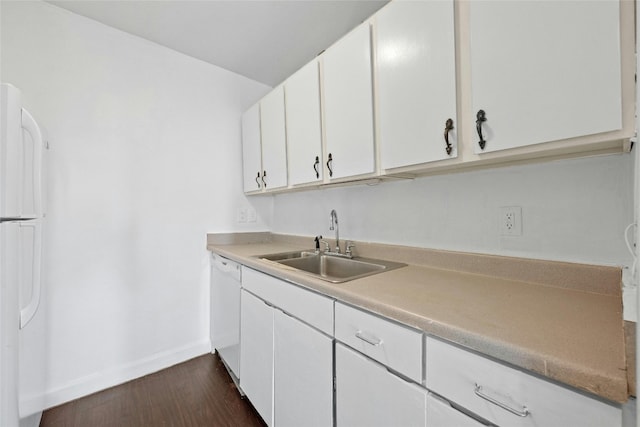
[196,393]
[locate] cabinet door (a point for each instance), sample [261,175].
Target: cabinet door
[256,354]
[274,148]
[348,108]
[304,134]
[544,70]
[440,413]
[509,397]
[303,374]
[416,81]
[369,395]
[251,151]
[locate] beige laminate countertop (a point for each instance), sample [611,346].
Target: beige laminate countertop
[559,331]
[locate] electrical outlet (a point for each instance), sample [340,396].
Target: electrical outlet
[252,215]
[510,221]
[242,214]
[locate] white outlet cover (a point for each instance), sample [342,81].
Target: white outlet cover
[510,221]
[252,215]
[242,214]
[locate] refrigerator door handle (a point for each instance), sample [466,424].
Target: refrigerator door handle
[29,311]
[14,219]
[30,125]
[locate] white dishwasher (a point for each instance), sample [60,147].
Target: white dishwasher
[225,312]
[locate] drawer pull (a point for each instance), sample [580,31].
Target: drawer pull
[523,413]
[368,340]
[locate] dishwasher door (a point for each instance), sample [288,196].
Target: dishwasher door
[225,311]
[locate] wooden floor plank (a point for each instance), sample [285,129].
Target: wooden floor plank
[196,393]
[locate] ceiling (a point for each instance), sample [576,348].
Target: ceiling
[264,40]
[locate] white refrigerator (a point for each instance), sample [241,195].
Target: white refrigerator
[22,184]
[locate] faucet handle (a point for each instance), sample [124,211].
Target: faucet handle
[349,246]
[327,248]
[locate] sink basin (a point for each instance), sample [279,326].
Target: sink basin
[332,268]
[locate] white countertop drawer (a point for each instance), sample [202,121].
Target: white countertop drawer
[394,345]
[507,396]
[308,306]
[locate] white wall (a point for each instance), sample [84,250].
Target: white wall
[144,161]
[573,210]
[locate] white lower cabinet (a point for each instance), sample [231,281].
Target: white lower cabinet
[381,373]
[256,354]
[287,363]
[440,413]
[392,344]
[369,395]
[509,397]
[303,373]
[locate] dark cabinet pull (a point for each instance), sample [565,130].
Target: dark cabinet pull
[257,178]
[480,118]
[264,175]
[329,163]
[447,128]
[315,167]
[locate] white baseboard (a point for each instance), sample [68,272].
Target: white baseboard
[31,420]
[115,376]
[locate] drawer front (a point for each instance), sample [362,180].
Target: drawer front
[312,308]
[394,345]
[507,396]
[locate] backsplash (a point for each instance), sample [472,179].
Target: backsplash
[573,210]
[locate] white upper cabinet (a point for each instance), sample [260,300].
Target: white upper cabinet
[416,82]
[348,106]
[430,86]
[304,131]
[274,147]
[251,154]
[543,71]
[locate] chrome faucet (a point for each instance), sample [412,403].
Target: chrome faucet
[334,226]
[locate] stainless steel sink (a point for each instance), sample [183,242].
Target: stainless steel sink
[332,268]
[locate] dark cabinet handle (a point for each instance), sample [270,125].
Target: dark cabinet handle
[480,118]
[447,128]
[315,167]
[264,175]
[329,163]
[257,178]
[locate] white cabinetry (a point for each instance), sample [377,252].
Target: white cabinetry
[286,361]
[348,106]
[303,370]
[274,147]
[440,413]
[543,71]
[264,147]
[509,397]
[251,150]
[416,82]
[452,85]
[304,131]
[369,395]
[389,343]
[256,355]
